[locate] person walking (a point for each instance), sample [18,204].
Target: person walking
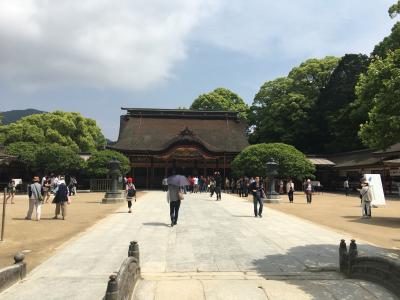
[61,199]
[164,184]
[346,186]
[72,186]
[290,190]
[308,190]
[280,187]
[218,184]
[35,193]
[257,190]
[174,198]
[11,188]
[130,193]
[47,190]
[212,186]
[366,198]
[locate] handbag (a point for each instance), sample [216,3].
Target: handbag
[181,196]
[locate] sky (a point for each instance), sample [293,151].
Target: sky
[96,56]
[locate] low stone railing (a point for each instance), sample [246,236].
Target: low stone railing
[121,285]
[384,271]
[14,273]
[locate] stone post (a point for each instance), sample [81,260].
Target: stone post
[19,260]
[353,254]
[112,288]
[134,250]
[343,256]
[115,195]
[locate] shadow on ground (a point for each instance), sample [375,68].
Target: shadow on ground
[317,270]
[379,221]
[159,224]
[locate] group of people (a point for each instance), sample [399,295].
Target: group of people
[39,192]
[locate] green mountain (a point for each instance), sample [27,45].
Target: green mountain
[12,116]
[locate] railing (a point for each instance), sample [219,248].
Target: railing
[14,273]
[381,270]
[121,285]
[101,185]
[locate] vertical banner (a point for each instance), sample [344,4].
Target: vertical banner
[375,183]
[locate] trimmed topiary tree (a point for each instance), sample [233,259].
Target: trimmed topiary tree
[292,163]
[97,164]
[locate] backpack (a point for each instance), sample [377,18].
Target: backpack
[131,192]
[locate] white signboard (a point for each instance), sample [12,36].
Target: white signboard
[375,183]
[17,181]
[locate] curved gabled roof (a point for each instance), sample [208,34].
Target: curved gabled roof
[156,133]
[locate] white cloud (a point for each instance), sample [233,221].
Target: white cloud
[292,29]
[99,43]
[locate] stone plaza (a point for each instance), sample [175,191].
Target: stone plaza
[218,250]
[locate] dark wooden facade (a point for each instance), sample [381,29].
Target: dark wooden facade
[158,141]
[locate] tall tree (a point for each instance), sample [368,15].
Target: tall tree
[64,128]
[378,91]
[337,120]
[221,99]
[283,110]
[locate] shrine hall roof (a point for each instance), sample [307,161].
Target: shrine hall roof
[156,130]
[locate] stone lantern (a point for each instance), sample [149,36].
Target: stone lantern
[115,194]
[272,170]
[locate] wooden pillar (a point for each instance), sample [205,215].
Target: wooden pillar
[224,167]
[151,173]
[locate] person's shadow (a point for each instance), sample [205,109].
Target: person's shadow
[156,224]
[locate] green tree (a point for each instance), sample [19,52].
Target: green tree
[336,119]
[394,10]
[391,42]
[378,91]
[63,128]
[221,99]
[53,158]
[284,109]
[292,163]
[25,151]
[97,164]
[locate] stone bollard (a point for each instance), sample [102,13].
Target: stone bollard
[112,288]
[134,250]
[19,259]
[343,256]
[353,254]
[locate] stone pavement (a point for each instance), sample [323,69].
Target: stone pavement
[218,250]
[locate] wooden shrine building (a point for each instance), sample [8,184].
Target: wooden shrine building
[191,142]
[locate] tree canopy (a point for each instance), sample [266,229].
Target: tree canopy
[292,163]
[379,91]
[68,129]
[97,164]
[47,158]
[221,99]
[283,110]
[337,120]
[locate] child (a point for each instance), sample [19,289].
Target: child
[130,193]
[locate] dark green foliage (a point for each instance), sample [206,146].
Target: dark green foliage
[391,42]
[25,151]
[46,158]
[97,165]
[378,91]
[394,10]
[284,109]
[292,163]
[221,99]
[53,158]
[335,115]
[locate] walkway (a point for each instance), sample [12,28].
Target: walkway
[217,251]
